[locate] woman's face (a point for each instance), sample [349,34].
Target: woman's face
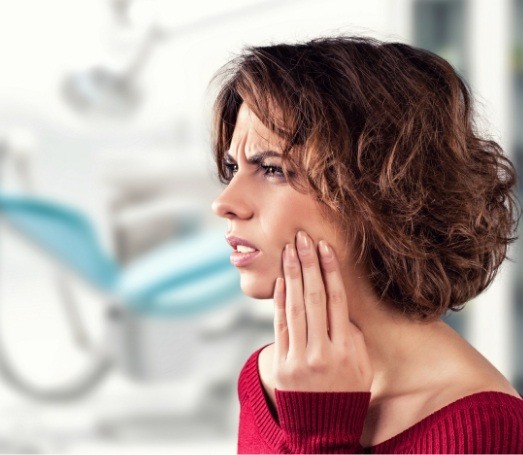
[262,209]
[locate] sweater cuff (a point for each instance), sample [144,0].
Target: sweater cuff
[322,421]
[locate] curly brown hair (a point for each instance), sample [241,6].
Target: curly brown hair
[383,134]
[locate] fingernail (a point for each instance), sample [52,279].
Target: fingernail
[302,241]
[325,250]
[290,252]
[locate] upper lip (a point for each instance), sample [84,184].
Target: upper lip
[235,241]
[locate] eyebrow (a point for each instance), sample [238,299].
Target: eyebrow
[257,158]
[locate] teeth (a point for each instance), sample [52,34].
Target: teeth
[244,249]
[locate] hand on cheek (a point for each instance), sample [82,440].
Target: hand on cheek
[317,348]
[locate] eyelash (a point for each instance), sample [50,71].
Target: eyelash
[277,172]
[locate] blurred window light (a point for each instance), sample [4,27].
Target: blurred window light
[517,66]
[440,27]
[517,121]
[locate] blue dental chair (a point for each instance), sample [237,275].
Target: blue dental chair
[180,279]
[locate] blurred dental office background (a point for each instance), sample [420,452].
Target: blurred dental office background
[122,326]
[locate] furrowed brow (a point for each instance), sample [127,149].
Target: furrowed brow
[259,157]
[256,158]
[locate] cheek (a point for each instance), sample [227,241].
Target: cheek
[280,218]
[281,222]
[275,230]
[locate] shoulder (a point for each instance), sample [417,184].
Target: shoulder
[461,374]
[483,422]
[459,389]
[499,401]
[480,391]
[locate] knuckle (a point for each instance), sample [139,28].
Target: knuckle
[330,266]
[345,353]
[308,261]
[280,326]
[336,298]
[345,359]
[279,304]
[317,361]
[295,311]
[315,297]
[293,271]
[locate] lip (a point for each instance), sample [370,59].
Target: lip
[241,259]
[235,241]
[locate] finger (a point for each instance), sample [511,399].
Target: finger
[313,291]
[281,333]
[294,305]
[337,304]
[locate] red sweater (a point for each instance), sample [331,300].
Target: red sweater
[332,422]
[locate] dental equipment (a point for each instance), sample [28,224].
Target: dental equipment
[116,93]
[176,282]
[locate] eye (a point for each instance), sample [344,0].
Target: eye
[230,170]
[272,171]
[231,167]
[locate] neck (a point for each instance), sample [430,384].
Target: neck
[397,345]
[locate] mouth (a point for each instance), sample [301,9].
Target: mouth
[244,251]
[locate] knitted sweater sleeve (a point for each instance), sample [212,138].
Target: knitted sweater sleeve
[322,422]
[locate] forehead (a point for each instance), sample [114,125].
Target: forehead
[251,133]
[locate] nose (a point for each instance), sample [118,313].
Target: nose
[233,201]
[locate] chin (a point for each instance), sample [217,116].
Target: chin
[257,287]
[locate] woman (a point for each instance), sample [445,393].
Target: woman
[360,197]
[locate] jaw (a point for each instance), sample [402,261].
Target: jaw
[257,285]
